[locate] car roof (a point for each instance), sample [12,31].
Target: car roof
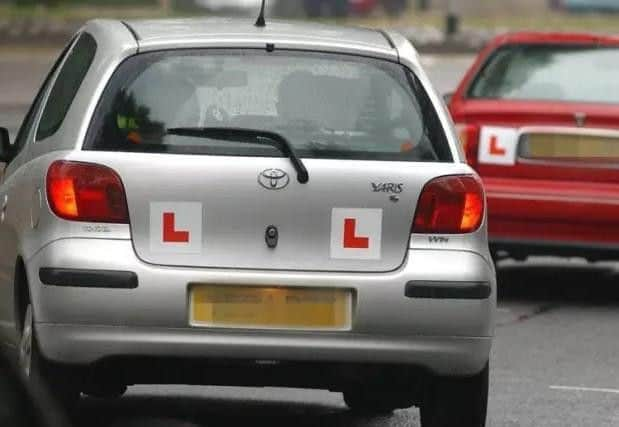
[201,32]
[189,28]
[537,37]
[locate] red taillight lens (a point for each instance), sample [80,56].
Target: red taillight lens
[86,192]
[450,205]
[469,138]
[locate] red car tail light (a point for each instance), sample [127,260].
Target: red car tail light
[450,205]
[469,138]
[86,192]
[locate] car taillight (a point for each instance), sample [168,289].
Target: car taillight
[86,192]
[450,205]
[469,138]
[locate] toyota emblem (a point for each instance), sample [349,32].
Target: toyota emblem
[273,179]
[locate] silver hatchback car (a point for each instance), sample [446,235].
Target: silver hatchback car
[218,202]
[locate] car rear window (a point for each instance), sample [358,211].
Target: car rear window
[325,105]
[550,73]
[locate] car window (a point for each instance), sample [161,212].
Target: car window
[66,85]
[28,122]
[543,72]
[326,105]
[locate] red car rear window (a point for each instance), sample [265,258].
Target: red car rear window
[568,73]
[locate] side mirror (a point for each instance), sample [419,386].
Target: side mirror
[5,146]
[447,97]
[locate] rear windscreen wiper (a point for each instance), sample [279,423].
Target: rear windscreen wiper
[248,136]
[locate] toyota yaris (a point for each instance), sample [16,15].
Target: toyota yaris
[214,202]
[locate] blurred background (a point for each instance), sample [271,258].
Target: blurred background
[557,318]
[432,24]
[33,31]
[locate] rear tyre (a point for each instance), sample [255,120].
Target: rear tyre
[59,382]
[377,402]
[457,402]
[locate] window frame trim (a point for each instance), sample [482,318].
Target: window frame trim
[34,114]
[52,83]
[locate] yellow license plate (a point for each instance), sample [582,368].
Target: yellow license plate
[571,147]
[228,306]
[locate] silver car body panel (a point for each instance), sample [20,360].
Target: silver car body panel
[78,325]
[448,336]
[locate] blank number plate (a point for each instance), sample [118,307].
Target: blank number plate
[229,306]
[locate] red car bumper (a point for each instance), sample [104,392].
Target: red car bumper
[529,217]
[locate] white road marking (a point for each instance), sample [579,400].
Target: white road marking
[589,389]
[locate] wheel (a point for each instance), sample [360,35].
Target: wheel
[457,402]
[377,402]
[26,342]
[59,382]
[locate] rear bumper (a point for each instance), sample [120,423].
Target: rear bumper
[443,355]
[553,217]
[439,331]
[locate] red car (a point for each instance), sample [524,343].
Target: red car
[538,115]
[365,7]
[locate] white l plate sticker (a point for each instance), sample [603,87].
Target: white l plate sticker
[356,233]
[498,146]
[176,227]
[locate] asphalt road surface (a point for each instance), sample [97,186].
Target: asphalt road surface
[555,361]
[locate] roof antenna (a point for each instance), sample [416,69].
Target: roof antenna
[261,23]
